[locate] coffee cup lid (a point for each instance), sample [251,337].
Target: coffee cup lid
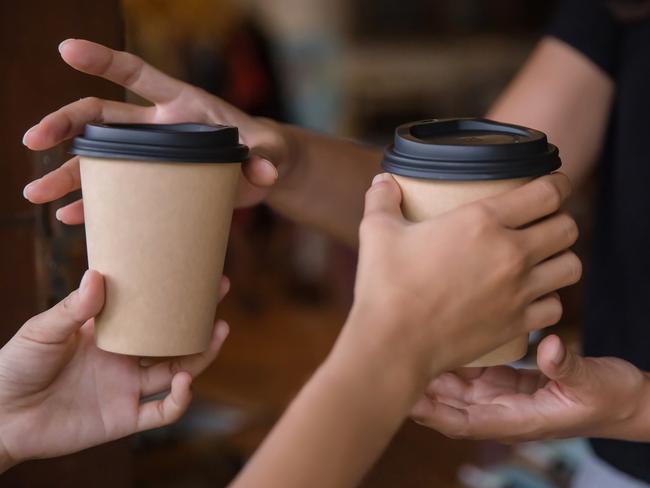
[469,149]
[162,142]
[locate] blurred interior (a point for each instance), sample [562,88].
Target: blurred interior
[354,68]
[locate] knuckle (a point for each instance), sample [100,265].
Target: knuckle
[514,257]
[69,308]
[483,213]
[136,65]
[68,304]
[480,218]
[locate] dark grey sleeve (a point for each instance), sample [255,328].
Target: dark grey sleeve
[589,27]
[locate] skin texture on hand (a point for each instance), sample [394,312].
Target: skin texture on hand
[59,393]
[479,275]
[312,166]
[569,396]
[399,331]
[172,102]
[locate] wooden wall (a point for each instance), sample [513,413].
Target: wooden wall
[40,260]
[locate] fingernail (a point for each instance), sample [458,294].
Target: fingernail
[222,330]
[27,133]
[57,214]
[558,354]
[28,188]
[63,43]
[84,282]
[379,177]
[272,167]
[226,283]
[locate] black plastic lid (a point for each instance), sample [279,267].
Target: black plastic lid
[162,142]
[469,149]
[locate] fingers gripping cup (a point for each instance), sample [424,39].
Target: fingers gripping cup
[158,202]
[442,164]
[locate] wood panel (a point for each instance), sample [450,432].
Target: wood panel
[34,82]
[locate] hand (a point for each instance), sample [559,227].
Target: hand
[173,102]
[59,393]
[443,291]
[569,396]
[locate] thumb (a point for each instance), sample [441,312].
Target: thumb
[561,364]
[66,317]
[384,196]
[260,172]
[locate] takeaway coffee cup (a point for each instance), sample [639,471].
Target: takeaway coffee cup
[442,164]
[158,201]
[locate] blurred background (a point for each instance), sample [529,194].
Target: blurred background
[354,68]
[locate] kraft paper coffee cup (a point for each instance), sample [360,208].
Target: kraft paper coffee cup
[158,202]
[441,164]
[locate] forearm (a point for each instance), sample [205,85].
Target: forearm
[562,93]
[338,425]
[323,181]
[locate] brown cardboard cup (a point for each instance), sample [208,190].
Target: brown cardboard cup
[442,164]
[424,199]
[157,231]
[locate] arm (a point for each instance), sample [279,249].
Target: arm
[562,93]
[559,91]
[405,315]
[340,422]
[323,181]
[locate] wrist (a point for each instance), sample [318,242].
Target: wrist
[375,348]
[406,333]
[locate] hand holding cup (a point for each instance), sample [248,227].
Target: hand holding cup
[434,295]
[172,102]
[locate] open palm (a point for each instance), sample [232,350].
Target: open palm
[569,396]
[59,393]
[172,102]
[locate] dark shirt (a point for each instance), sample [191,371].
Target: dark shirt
[618,277]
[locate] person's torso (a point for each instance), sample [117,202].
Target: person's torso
[618,276]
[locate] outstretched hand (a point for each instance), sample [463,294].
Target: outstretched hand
[569,396]
[173,101]
[59,393]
